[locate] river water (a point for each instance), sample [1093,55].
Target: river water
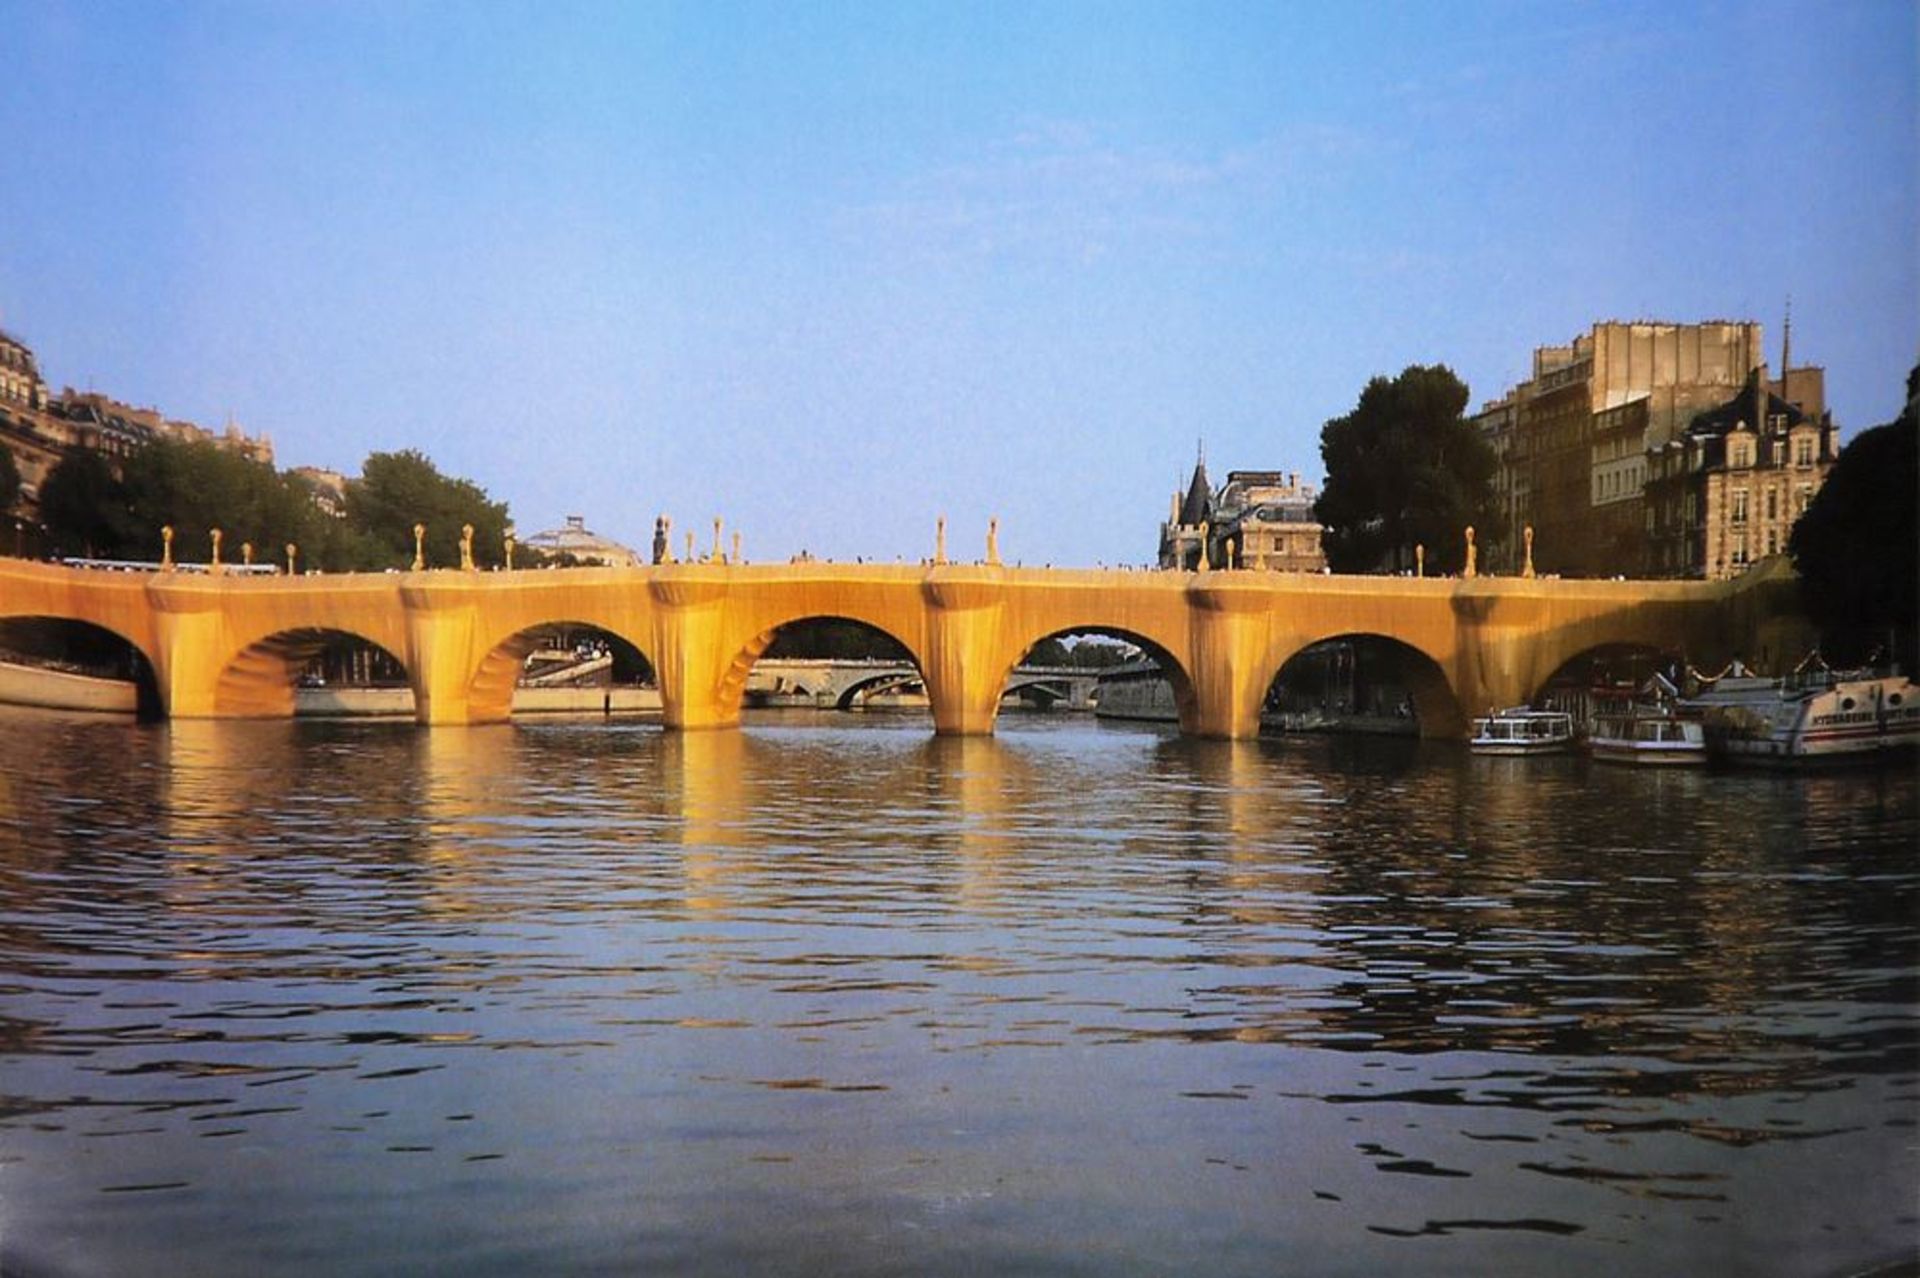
[830,995]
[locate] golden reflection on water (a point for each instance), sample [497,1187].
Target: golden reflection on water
[705,777]
[1063,979]
[981,783]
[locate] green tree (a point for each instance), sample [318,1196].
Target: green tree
[1406,468]
[198,486]
[9,481]
[1086,652]
[83,507]
[1857,547]
[395,491]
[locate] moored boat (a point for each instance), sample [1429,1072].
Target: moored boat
[1522,730]
[1649,736]
[1810,717]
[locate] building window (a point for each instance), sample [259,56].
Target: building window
[1740,453]
[1739,498]
[1772,541]
[1773,506]
[1739,550]
[1802,499]
[1803,451]
[1779,452]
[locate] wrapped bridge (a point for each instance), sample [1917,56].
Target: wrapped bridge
[233,646]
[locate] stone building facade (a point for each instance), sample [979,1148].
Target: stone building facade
[1726,492]
[38,428]
[1578,440]
[20,384]
[575,541]
[1259,519]
[1263,519]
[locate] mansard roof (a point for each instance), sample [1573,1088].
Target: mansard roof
[1740,410]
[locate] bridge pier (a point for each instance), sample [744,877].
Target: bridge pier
[1230,625]
[966,666]
[187,659]
[442,633]
[691,653]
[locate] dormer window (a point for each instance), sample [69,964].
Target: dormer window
[1740,452]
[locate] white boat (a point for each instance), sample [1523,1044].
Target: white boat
[1522,731]
[1647,735]
[1824,715]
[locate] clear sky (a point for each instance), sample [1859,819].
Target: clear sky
[831,270]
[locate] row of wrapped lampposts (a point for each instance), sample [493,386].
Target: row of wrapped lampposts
[1472,565]
[662,550]
[1470,569]
[663,553]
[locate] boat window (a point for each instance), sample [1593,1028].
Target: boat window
[1846,703]
[1894,700]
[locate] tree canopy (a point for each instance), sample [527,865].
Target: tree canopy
[1087,652]
[9,481]
[198,486]
[1406,468]
[83,507]
[395,491]
[1857,547]
[195,487]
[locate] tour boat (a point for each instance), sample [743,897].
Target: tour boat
[1522,731]
[1648,735]
[1814,716]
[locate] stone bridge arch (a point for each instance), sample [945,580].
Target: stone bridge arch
[117,603]
[875,684]
[74,657]
[730,694]
[497,672]
[1436,703]
[1167,649]
[259,676]
[1055,687]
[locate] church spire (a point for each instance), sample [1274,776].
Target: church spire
[1786,349]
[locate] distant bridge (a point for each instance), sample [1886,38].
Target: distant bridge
[230,646]
[843,684]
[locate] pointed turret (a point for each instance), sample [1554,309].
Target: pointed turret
[1198,506]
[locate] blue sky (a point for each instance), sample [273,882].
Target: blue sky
[828,271]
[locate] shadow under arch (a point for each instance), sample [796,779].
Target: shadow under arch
[490,692]
[1617,669]
[258,682]
[1153,662]
[1369,682]
[818,635]
[75,664]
